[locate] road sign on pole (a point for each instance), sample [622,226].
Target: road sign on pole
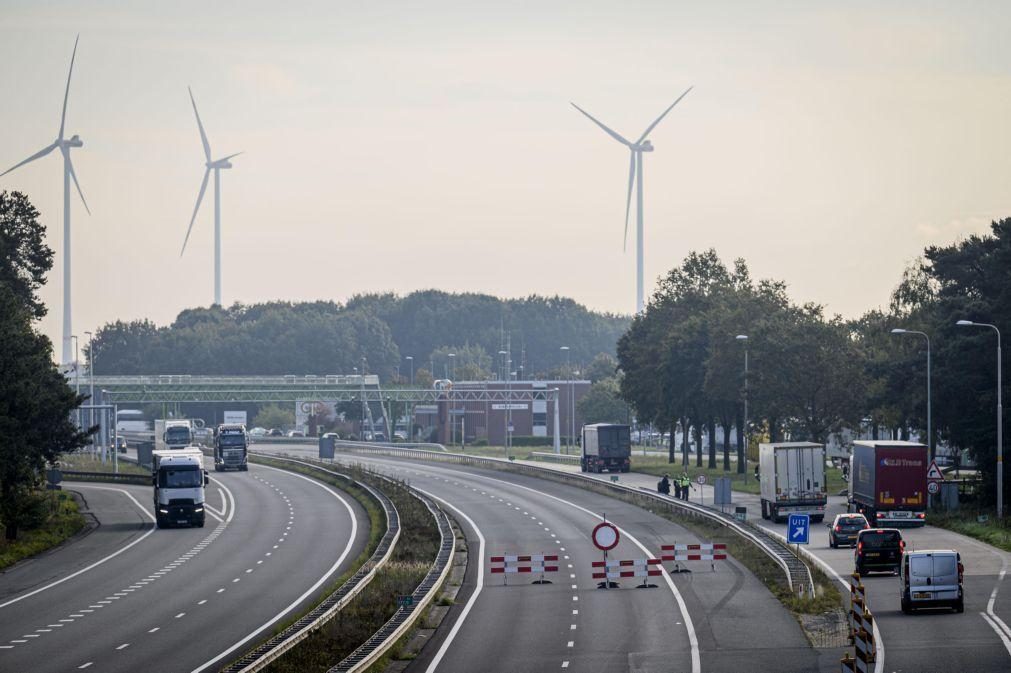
[605,536]
[934,473]
[799,528]
[933,487]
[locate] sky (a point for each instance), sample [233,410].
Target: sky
[400,146]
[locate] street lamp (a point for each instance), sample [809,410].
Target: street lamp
[91,388]
[410,359]
[77,377]
[568,375]
[452,366]
[742,461]
[930,427]
[1000,418]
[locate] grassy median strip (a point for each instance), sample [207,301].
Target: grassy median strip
[368,611]
[991,531]
[55,518]
[85,462]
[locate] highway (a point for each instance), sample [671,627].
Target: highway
[129,597]
[699,621]
[928,641]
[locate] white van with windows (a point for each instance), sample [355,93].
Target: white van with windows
[931,578]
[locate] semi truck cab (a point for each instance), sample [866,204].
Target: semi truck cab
[179,479]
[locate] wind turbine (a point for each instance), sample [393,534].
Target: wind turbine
[216,165]
[64,146]
[635,177]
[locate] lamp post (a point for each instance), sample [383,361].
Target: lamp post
[91,390]
[1000,418]
[930,427]
[77,377]
[452,366]
[410,359]
[568,376]
[742,461]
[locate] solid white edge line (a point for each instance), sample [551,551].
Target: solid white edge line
[98,562]
[689,625]
[1002,636]
[995,622]
[477,590]
[310,590]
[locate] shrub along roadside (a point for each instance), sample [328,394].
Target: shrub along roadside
[58,519]
[413,556]
[992,531]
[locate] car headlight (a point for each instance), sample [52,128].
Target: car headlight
[198,509]
[162,510]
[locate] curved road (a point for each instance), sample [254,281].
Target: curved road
[699,621]
[129,597]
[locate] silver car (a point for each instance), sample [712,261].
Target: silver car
[931,578]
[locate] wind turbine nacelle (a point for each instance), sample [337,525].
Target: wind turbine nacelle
[220,163]
[646,146]
[75,141]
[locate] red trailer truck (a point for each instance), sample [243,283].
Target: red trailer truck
[888,482]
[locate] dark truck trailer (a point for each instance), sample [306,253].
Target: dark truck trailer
[231,445]
[606,447]
[888,482]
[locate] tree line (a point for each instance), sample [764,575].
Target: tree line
[35,400]
[682,361]
[326,337]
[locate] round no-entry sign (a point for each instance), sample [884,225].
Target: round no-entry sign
[701,478]
[605,536]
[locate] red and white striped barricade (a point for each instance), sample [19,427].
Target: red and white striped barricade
[677,553]
[525,563]
[614,569]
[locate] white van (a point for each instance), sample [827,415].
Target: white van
[931,578]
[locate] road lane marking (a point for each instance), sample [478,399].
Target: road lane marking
[333,568]
[154,629]
[477,589]
[86,665]
[123,646]
[1004,638]
[101,560]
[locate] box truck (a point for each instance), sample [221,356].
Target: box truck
[172,434]
[606,447]
[179,479]
[888,482]
[792,476]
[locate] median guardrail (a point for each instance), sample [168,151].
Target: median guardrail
[555,457]
[269,651]
[106,477]
[796,571]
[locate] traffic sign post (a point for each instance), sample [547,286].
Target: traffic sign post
[605,538]
[702,482]
[933,487]
[799,529]
[934,473]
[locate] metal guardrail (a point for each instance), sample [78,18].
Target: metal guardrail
[403,619]
[109,477]
[554,457]
[796,572]
[269,651]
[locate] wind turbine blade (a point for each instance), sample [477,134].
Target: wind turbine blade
[66,94]
[628,202]
[231,156]
[70,165]
[200,197]
[38,155]
[611,133]
[658,119]
[203,136]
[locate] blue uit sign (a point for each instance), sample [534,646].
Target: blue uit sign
[799,528]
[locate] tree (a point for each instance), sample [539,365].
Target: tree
[603,404]
[423,378]
[273,416]
[603,366]
[35,407]
[24,257]
[469,363]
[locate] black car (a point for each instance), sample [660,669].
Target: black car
[879,550]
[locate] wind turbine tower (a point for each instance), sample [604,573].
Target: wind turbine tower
[216,166]
[635,179]
[64,145]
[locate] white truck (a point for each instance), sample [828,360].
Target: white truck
[172,434]
[792,476]
[179,479]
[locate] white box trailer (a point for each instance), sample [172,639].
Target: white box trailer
[792,476]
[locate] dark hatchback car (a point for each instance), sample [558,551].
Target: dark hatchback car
[845,529]
[879,550]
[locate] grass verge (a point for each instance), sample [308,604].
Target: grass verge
[992,531]
[63,520]
[85,462]
[415,551]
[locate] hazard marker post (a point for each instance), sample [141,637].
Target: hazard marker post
[605,538]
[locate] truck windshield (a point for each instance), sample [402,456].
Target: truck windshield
[188,476]
[177,436]
[232,440]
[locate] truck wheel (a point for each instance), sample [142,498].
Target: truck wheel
[906,607]
[960,606]
[217,468]
[200,522]
[160,521]
[765,510]
[818,519]
[244,468]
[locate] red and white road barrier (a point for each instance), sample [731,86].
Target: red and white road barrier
[711,551]
[861,631]
[614,569]
[524,563]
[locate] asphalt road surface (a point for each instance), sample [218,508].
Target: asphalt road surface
[129,597]
[700,621]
